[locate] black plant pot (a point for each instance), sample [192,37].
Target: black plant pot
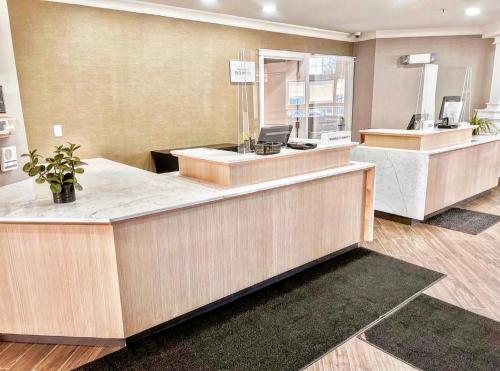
[67,194]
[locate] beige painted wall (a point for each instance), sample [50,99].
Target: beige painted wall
[364,74]
[395,87]
[123,84]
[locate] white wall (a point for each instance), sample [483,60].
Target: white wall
[8,79]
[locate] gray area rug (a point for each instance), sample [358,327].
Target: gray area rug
[462,220]
[284,326]
[433,335]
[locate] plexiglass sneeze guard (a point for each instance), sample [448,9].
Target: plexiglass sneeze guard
[311,92]
[248,101]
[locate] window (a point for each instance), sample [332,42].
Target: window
[296,92]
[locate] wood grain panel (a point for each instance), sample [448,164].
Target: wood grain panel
[264,168]
[59,280]
[173,263]
[457,175]
[369,199]
[406,142]
[446,139]
[418,140]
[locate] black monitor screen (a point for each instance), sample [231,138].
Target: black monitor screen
[278,133]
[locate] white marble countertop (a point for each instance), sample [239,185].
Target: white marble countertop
[412,133]
[476,140]
[114,192]
[228,157]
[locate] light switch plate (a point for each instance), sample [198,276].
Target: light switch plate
[58,130]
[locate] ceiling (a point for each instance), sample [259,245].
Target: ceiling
[356,15]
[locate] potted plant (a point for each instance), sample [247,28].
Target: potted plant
[58,171]
[484,126]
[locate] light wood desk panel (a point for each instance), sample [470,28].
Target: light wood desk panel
[417,140]
[59,280]
[457,175]
[175,262]
[231,169]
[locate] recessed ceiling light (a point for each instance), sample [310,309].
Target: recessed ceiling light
[209,2]
[472,11]
[269,9]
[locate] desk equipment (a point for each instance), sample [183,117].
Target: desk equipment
[268,148]
[278,133]
[301,146]
[416,121]
[451,109]
[165,162]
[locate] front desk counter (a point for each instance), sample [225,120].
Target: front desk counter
[138,249]
[414,184]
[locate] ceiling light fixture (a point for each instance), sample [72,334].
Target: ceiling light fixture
[269,9]
[472,12]
[209,2]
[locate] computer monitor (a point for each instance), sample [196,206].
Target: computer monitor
[416,118]
[451,108]
[277,133]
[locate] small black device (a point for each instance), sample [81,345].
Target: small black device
[2,102]
[445,124]
[277,133]
[301,146]
[418,117]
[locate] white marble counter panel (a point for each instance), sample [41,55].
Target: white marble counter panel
[400,178]
[401,175]
[114,192]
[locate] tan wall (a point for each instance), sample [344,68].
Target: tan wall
[396,87]
[123,84]
[364,70]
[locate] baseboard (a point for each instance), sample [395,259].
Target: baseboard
[395,218]
[64,340]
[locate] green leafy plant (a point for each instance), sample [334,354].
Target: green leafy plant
[59,170]
[484,126]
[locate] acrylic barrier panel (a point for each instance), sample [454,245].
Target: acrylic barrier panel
[330,95]
[247,128]
[421,90]
[454,94]
[309,92]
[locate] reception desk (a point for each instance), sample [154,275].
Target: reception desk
[138,250]
[417,183]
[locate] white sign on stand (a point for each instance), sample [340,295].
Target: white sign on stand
[242,72]
[336,137]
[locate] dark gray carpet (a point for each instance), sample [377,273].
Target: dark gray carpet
[462,220]
[284,326]
[433,335]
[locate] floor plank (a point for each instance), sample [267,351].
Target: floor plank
[33,356]
[57,358]
[12,354]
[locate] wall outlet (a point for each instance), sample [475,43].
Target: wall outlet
[58,130]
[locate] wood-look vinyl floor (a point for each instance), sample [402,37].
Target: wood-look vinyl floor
[471,263]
